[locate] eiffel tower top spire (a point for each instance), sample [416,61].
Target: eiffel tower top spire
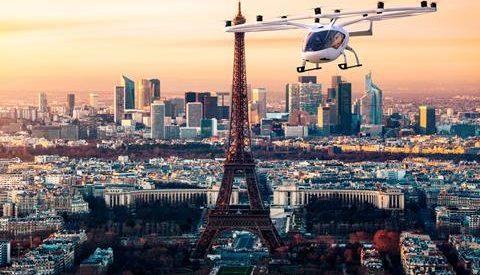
[239,19]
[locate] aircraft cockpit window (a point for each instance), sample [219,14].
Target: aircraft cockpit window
[318,41]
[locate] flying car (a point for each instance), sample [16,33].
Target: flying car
[328,40]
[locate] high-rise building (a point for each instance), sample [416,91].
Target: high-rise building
[143,95]
[304,97]
[201,96]
[70,104]
[307,79]
[223,112]
[371,103]
[157,115]
[174,107]
[169,108]
[344,107]
[172,131]
[5,251]
[208,128]
[427,122]
[194,114]
[210,105]
[266,127]
[336,80]
[224,98]
[253,115]
[190,97]
[42,103]
[93,100]
[323,119]
[119,104]
[178,107]
[155,89]
[331,94]
[259,95]
[129,90]
[287,98]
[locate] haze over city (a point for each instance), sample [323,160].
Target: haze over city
[82,46]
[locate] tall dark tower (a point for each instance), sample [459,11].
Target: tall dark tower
[239,163]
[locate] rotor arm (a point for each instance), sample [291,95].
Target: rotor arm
[368,32]
[269,26]
[391,15]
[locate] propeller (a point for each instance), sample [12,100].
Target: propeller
[317,11]
[380,7]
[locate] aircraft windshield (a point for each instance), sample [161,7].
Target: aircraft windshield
[318,41]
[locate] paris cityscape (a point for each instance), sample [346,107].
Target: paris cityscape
[332,173]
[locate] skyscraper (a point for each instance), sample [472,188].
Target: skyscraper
[259,95]
[194,114]
[93,100]
[42,103]
[427,120]
[331,94]
[70,104]
[119,104]
[210,105]
[344,107]
[371,103]
[5,251]
[201,96]
[304,97]
[287,98]
[208,128]
[323,119]
[336,80]
[190,97]
[157,115]
[307,79]
[143,95]
[223,108]
[253,115]
[155,89]
[129,95]
[174,107]
[224,98]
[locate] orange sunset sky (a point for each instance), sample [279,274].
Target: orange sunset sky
[85,45]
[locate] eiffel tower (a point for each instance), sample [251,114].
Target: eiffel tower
[239,163]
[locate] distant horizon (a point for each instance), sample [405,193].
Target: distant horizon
[274,96]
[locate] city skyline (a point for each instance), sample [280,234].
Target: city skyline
[79,49]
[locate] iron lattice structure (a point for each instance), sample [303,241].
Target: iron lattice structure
[239,163]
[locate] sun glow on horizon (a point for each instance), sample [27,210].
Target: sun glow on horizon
[54,45]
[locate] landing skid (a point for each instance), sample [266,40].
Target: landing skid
[344,66]
[302,69]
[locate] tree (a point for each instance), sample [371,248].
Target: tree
[387,241]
